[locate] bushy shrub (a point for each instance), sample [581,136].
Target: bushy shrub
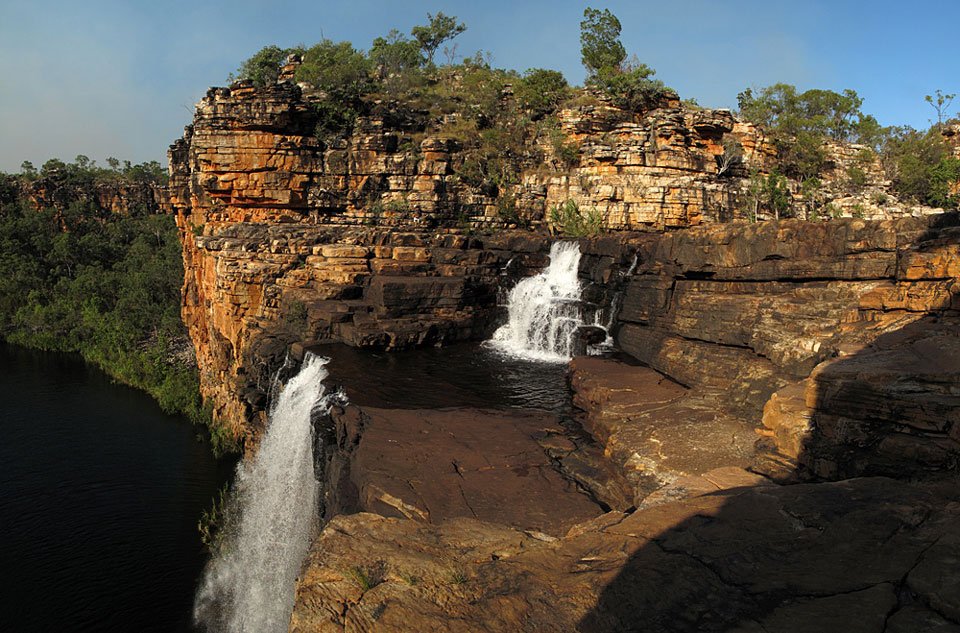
[569,220]
[337,68]
[540,91]
[263,68]
[922,167]
[630,89]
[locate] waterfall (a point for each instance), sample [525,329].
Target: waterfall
[544,311]
[248,585]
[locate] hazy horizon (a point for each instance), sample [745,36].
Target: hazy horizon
[110,79]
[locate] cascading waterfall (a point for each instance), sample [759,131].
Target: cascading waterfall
[248,586]
[544,311]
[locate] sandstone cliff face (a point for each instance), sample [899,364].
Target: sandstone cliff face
[372,239]
[832,343]
[122,198]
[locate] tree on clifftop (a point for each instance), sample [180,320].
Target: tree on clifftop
[337,68]
[600,47]
[263,68]
[440,29]
[394,54]
[628,84]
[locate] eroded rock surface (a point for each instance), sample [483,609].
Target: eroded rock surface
[434,464]
[657,432]
[859,555]
[366,239]
[836,340]
[841,337]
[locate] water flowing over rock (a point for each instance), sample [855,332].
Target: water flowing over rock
[248,586]
[545,311]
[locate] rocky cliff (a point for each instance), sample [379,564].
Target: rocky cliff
[378,239]
[756,354]
[771,353]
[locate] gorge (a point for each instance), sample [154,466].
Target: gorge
[784,403]
[604,361]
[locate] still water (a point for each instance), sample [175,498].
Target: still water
[465,375]
[100,493]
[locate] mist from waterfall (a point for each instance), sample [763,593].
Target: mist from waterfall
[248,586]
[544,312]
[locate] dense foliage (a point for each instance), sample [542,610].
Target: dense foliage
[569,220]
[264,67]
[919,164]
[106,286]
[799,122]
[541,91]
[84,173]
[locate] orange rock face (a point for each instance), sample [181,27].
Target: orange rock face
[365,239]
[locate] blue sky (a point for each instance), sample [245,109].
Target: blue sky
[120,79]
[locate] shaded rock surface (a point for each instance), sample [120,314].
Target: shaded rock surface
[434,464]
[654,430]
[840,337]
[856,555]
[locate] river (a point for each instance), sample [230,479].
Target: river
[100,493]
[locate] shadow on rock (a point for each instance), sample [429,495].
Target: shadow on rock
[870,542]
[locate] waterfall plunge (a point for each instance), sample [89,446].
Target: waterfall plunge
[544,311]
[248,586]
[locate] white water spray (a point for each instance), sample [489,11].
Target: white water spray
[544,311]
[248,586]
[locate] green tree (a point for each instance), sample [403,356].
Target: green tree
[921,167]
[600,46]
[27,170]
[343,74]
[441,28]
[825,113]
[770,192]
[540,91]
[941,104]
[263,68]
[798,123]
[628,85]
[631,88]
[337,68]
[395,54]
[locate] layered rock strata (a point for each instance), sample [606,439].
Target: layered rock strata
[834,343]
[735,326]
[370,239]
[854,320]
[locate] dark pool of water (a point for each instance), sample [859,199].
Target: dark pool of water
[100,493]
[466,375]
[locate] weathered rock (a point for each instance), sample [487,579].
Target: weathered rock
[656,431]
[293,239]
[795,558]
[743,314]
[431,465]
